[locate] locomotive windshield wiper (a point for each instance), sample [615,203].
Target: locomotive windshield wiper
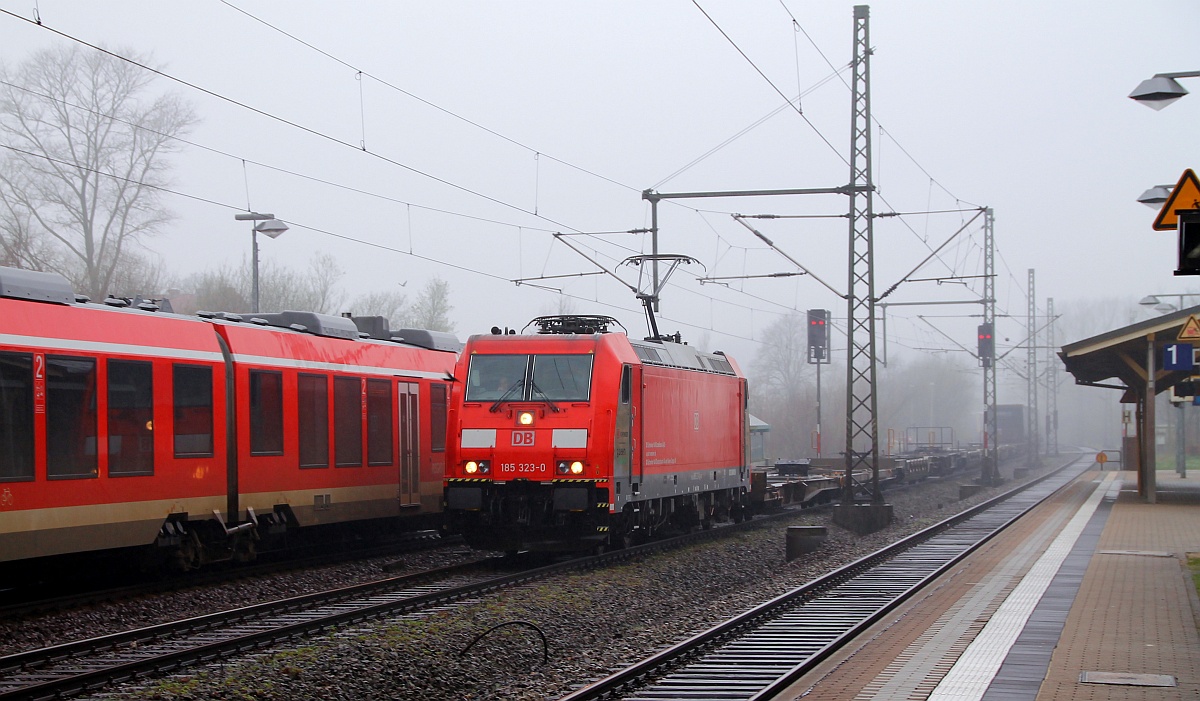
[510,390]
[538,390]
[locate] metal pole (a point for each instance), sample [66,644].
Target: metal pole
[862,427]
[819,437]
[991,453]
[1148,432]
[1180,443]
[654,248]
[1031,383]
[254,263]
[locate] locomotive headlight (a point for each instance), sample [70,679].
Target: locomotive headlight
[472,467]
[576,468]
[525,418]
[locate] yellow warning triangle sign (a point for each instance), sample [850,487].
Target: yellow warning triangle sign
[1186,195]
[1190,330]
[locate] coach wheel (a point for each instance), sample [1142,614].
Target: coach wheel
[245,551]
[186,555]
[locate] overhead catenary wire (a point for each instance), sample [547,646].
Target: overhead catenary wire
[420,99]
[301,127]
[409,205]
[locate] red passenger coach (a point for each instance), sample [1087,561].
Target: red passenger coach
[575,438]
[208,438]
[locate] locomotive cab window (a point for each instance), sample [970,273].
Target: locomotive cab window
[561,378]
[266,413]
[71,417]
[130,418]
[495,377]
[544,377]
[193,411]
[16,416]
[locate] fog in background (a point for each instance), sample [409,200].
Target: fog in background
[412,144]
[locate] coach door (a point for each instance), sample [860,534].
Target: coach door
[410,451]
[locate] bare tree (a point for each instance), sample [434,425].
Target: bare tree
[781,366]
[83,164]
[314,290]
[432,308]
[390,304]
[227,289]
[782,392]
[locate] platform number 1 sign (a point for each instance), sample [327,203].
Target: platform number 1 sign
[1178,356]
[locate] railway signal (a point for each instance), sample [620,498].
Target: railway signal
[987,345]
[818,335]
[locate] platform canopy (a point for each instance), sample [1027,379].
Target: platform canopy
[1126,356]
[1121,355]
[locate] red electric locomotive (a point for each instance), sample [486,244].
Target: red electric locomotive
[208,438]
[576,438]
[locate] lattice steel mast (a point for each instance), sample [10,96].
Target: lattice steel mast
[991,467]
[862,428]
[1052,369]
[1031,419]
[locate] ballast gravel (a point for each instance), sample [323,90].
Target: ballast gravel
[539,641]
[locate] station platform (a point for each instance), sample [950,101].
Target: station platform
[1088,597]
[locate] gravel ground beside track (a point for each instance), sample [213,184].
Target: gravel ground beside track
[42,630]
[593,622]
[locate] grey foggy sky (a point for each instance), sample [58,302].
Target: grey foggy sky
[1020,106]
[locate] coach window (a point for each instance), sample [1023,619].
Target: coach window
[70,417]
[347,421]
[379,422]
[313,409]
[437,417]
[16,416]
[130,418]
[266,413]
[193,411]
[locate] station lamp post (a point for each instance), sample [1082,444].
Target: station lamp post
[269,225]
[1162,89]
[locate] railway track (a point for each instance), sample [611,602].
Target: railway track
[90,665]
[99,663]
[756,654]
[35,600]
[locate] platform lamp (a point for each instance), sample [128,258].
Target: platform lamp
[1155,196]
[1162,89]
[269,225]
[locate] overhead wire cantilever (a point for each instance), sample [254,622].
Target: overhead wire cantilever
[739,219]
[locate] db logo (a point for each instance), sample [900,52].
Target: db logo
[522,437]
